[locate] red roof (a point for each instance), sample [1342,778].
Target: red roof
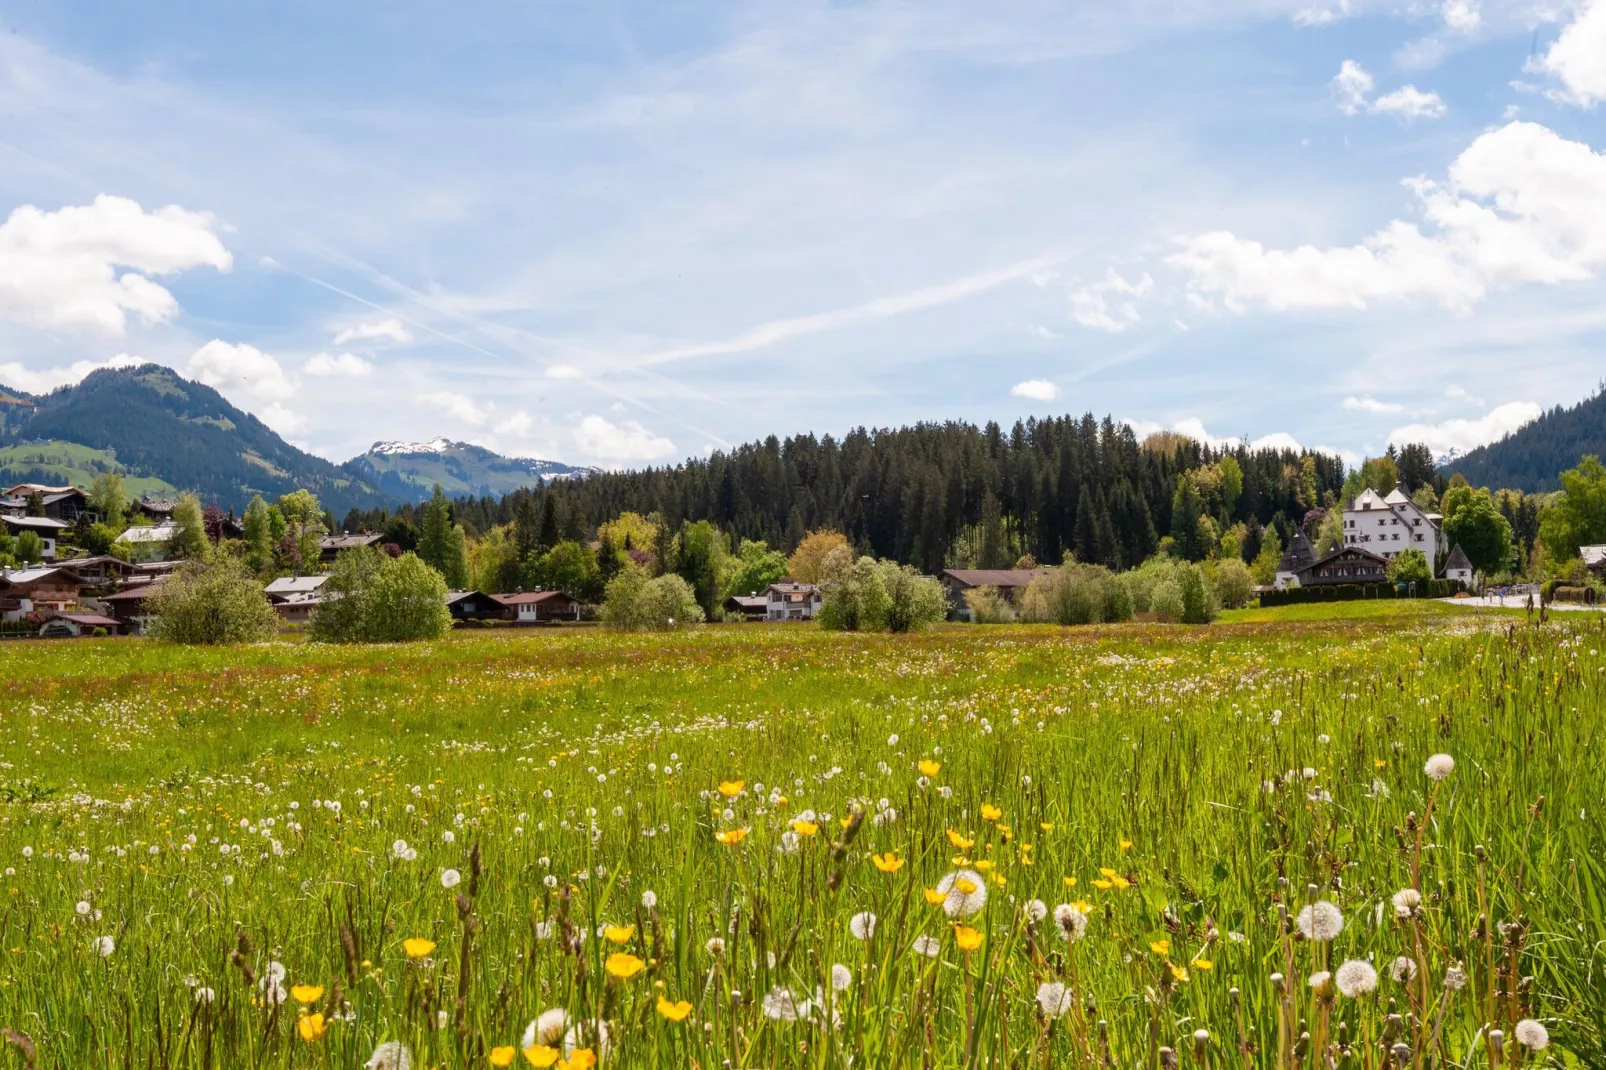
[525,598]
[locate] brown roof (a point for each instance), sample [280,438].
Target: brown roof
[137,593]
[524,598]
[993,577]
[94,620]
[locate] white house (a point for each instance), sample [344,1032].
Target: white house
[150,542]
[1388,526]
[1458,567]
[788,600]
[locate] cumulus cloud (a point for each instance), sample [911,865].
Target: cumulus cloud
[1522,205]
[44,380]
[1353,86]
[1462,16]
[518,425]
[387,330]
[1035,390]
[458,406]
[240,369]
[345,365]
[1194,428]
[1370,404]
[1323,14]
[1578,57]
[563,371]
[1460,394]
[1111,304]
[621,443]
[60,269]
[1453,437]
[282,418]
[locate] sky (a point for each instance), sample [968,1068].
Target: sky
[621,233]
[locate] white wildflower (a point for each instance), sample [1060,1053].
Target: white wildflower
[105,945]
[1072,922]
[1034,911]
[1321,921]
[1407,903]
[1402,969]
[928,946]
[841,978]
[1531,1034]
[1439,766]
[450,878]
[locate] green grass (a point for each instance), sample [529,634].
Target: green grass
[68,463]
[1222,776]
[1361,609]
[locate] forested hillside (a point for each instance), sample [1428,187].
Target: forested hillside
[1529,458]
[933,492]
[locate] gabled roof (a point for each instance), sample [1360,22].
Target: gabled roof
[34,575]
[528,598]
[287,585]
[137,593]
[89,620]
[993,577]
[793,587]
[1298,556]
[348,542]
[38,523]
[1592,555]
[1342,550]
[1398,497]
[746,601]
[149,533]
[22,490]
[453,597]
[1458,559]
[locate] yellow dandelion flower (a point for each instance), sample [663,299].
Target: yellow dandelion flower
[959,841]
[1202,963]
[967,938]
[503,1056]
[805,828]
[623,965]
[731,788]
[618,934]
[887,863]
[579,1059]
[1126,845]
[1378,763]
[1161,946]
[935,897]
[306,993]
[989,812]
[310,1027]
[730,837]
[540,1056]
[1070,882]
[675,1012]
[929,767]
[1178,972]
[417,947]
[1046,826]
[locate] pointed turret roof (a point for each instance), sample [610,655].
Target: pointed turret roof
[1299,555]
[1457,559]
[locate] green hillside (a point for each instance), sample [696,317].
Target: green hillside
[1530,457]
[63,463]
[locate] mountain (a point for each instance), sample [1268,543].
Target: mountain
[410,470]
[1531,457]
[153,423]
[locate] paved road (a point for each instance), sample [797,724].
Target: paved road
[1517,602]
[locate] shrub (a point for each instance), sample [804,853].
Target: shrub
[633,602]
[1410,566]
[881,596]
[1076,594]
[914,601]
[1234,583]
[212,601]
[1198,604]
[1195,602]
[1165,600]
[987,606]
[371,597]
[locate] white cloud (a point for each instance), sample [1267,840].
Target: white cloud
[1353,85]
[240,369]
[346,365]
[1408,102]
[620,443]
[1323,14]
[518,425]
[563,371]
[1035,390]
[1460,394]
[1110,305]
[1194,428]
[1277,440]
[1522,205]
[285,421]
[59,269]
[44,380]
[458,406]
[1578,58]
[1458,436]
[388,330]
[1462,16]
[1370,404]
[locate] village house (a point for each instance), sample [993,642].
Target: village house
[1010,582]
[1457,567]
[329,546]
[59,503]
[101,570]
[296,598]
[47,528]
[539,607]
[1300,566]
[128,607]
[155,510]
[748,606]
[150,542]
[1388,525]
[44,589]
[76,625]
[475,605]
[790,600]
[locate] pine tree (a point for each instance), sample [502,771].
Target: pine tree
[547,535]
[435,531]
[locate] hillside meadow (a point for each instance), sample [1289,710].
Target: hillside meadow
[1350,842]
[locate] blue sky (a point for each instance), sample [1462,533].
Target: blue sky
[624,233]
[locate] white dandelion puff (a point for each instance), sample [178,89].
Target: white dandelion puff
[841,977]
[965,891]
[1320,921]
[1355,978]
[1072,922]
[1402,969]
[1439,766]
[105,945]
[592,1034]
[781,1005]
[1407,903]
[862,925]
[391,1055]
[1034,911]
[546,1029]
[1531,1034]
[450,878]
[1053,999]
[928,946]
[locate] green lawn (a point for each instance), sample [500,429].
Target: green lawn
[1361,609]
[617,806]
[68,463]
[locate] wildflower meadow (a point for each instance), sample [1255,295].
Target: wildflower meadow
[1286,844]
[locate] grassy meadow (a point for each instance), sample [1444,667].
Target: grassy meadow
[769,846]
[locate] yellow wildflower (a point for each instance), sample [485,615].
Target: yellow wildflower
[1202,963]
[1161,946]
[1126,845]
[1070,882]
[618,934]
[579,1059]
[731,837]
[959,841]
[417,947]
[1178,972]
[623,965]
[935,897]
[306,993]
[805,828]
[310,1027]
[887,863]
[675,1012]
[1046,826]
[929,767]
[989,812]
[541,1056]
[503,1056]
[967,938]
[731,788]
[985,864]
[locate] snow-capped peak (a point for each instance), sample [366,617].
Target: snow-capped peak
[434,445]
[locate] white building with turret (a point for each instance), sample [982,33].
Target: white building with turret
[1388,525]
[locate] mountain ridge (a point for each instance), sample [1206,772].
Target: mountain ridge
[1530,458]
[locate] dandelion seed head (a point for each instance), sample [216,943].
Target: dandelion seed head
[1321,921]
[450,878]
[965,893]
[928,946]
[1402,969]
[1531,1034]
[1354,978]
[841,977]
[1053,999]
[862,925]
[1072,922]
[780,1005]
[1439,766]
[1034,911]
[391,1055]
[1407,902]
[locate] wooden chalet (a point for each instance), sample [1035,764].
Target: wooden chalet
[76,625]
[1347,564]
[43,589]
[129,606]
[791,600]
[749,607]
[476,606]
[539,607]
[102,570]
[329,546]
